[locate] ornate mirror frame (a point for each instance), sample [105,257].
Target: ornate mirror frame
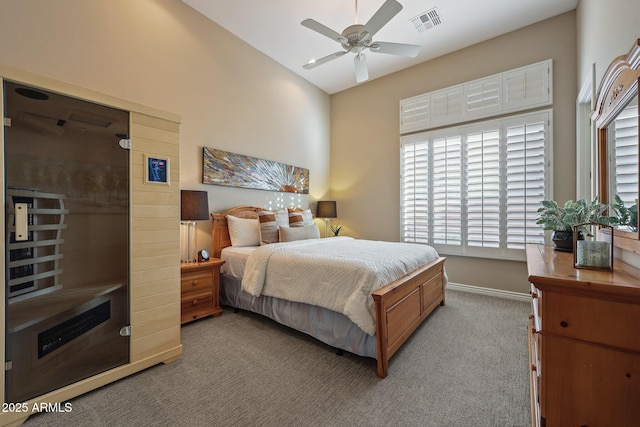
[618,87]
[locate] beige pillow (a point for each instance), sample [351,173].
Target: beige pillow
[300,218]
[270,221]
[243,231]
[290,234]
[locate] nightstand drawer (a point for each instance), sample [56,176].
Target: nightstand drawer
[197,300]
[199,286]
[195,282]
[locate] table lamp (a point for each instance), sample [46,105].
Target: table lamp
[326,210]
[194,206]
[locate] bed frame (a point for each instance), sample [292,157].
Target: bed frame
[401,306]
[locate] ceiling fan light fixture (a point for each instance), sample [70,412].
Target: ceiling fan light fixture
[360,62]
[357,38]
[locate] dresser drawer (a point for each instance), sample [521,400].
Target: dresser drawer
[536,307]
[593,320]
[196,282]
[534,375]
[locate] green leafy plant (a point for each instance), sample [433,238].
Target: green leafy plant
[563,217]
[335,229]
[625,216]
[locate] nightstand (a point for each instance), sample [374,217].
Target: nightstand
[199,289]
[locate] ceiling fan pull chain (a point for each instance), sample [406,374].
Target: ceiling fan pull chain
[356,11]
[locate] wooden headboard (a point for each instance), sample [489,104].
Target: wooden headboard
[220,238]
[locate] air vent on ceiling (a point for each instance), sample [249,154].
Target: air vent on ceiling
[427,20]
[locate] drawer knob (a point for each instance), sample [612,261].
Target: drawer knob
[194,302]
[534,294]
[564,324]
[533,367]
[194,282]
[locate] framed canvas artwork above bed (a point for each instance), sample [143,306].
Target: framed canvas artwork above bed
[229,169]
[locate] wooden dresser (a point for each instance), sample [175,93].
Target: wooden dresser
[584,343]
[200,289]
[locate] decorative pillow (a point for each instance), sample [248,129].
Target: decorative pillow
[243,231]
[300,218]
[270,221]
[290,234]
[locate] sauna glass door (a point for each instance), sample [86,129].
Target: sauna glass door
[66,190]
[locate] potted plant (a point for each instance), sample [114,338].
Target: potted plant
[336,229]
[625,216]
[561,218]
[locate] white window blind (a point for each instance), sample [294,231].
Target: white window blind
[516,90]
[624,161]
[475,190]
[415,113]
[483,97]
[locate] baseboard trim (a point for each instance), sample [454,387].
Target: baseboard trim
[499,293]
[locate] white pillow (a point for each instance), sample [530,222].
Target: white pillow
[290,234]
[243,231]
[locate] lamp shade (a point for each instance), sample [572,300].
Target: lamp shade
[194,205]
[326,209]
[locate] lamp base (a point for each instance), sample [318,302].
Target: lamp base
[326,226]
[188,242]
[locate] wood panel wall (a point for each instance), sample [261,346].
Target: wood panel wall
[154,242]
[155,239]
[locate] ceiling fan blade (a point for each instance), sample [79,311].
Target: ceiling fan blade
[410,50]
[388,10]
[315,62]
[324,30]
[362,74]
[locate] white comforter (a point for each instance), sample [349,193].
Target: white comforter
[338,273]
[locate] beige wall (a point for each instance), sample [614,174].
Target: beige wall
[365,126]
[163,54]
[605,30]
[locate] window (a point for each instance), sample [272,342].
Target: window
[475,190]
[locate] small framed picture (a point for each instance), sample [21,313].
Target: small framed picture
[156,170]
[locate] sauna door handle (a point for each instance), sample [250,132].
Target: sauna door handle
[21,214]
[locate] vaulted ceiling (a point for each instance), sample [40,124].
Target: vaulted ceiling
[438,27]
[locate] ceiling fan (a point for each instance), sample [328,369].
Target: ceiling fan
[357,38]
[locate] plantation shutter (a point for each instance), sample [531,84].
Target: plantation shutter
[447,190]
[446,106]
[525,179]
[476,189]
[415,113]
[483,97]
[527,86]
[625,136]
[415,190]
[483,188]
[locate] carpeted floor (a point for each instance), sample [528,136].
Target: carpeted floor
[465,366]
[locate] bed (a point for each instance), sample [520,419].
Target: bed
[399,306]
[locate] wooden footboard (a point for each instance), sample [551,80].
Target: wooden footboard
[403,305]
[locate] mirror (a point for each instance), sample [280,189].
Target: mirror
[616,117]
[622,158]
